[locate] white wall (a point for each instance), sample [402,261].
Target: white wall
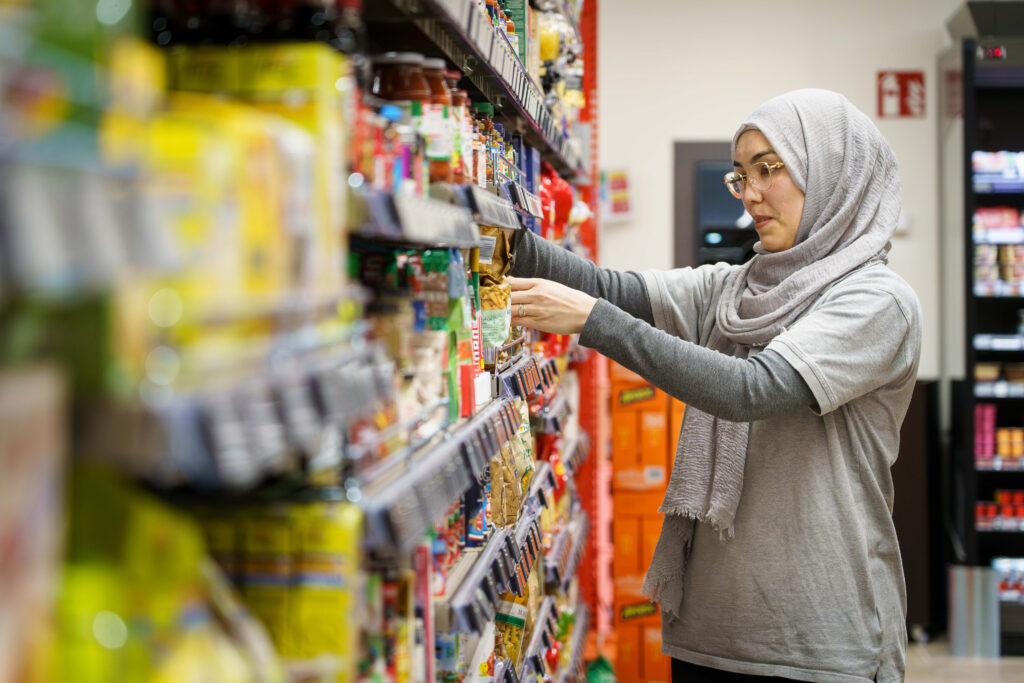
[675,70]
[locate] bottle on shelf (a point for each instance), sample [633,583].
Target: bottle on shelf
[436,123]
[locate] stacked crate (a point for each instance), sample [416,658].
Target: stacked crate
[645,425]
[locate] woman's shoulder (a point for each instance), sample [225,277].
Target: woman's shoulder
[709,275]
[878,279]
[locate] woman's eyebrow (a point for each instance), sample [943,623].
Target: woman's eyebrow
[754,158]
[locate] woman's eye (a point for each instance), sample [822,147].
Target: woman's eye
[762,171]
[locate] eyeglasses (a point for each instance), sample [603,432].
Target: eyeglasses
[760,177]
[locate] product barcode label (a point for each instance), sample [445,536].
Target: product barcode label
[487,243]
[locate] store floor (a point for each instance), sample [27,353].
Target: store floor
[932,663]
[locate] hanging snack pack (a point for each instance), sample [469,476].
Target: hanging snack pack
[495,291]
[510,624]
[506,488]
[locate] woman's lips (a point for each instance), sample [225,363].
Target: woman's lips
[761,221]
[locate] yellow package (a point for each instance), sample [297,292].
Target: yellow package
[255,191]
[269,544]
[310,84]
[327,584]
[510,625]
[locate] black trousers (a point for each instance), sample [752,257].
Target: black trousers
[684,672]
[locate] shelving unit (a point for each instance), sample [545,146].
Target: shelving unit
[309,509]
[451,29]
[976,117]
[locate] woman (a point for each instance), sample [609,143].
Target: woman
[778,556]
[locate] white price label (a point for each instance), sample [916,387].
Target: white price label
[487,244]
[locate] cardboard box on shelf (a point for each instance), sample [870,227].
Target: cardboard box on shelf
[631,607]
[637,397]
[626,536]
[641,453]
[627,659]
[620,375]
[676,410]
[637,504]
[655,667]
[650,530]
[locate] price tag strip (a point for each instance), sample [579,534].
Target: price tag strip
[576,454]
[488,208]
[403,495]
[544,631]
[574,669]
[522,379]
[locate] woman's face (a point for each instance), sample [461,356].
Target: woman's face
[777,210]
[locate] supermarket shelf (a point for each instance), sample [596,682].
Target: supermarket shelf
[401,501]
[492,354]
[542,486]
[523,199]
[565,553]
[999,236]
[504,672]
[998,342]
[567,11]
[1001,389]
[505,561]
[553,418]
[488,208]
[414,221]
[998,185]
[575,455]
[997,464]
[544,629]
[528,546]
[485,55]
[522,379]
[574,669]
[475,601]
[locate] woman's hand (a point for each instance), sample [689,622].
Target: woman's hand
[549,306]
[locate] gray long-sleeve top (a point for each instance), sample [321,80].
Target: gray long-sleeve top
[621,326]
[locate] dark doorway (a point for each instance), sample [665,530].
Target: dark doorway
[710,224]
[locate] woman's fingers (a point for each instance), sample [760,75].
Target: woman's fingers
[523,283]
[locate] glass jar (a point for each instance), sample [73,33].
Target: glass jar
[398,77]
[437,122]
[460,112]
[484,111]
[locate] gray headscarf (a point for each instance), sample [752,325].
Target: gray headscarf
[848,174]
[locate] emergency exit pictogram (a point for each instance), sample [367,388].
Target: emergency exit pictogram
[901,94]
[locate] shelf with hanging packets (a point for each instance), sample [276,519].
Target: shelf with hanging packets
[543,484]
[553,417]
[402,495]
[488,208]
[501,566]
[232,424]
[575,454]
[412,221]
[522,199]
[504,672]
[563,557]
[573,670]
[522,379]
[545,627]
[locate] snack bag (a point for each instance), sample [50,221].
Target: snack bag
[510,624]
[495,292]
